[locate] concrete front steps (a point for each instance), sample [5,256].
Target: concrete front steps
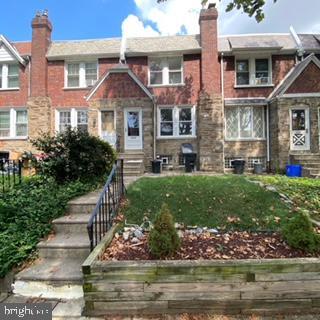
[133,163]
[310,163]
[57,273]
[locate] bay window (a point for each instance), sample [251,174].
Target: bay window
[13,123]
[253,72]
[165,71]
[72,118]
[245,123]
[176,122]
[81,75]
[9,76]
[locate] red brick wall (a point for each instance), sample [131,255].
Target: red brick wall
[186,94]
[59,96]
[307,81]
[119,85]
[41,39]
[281,65]
[16,98]
[210,66]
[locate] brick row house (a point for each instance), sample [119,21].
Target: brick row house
[255,97]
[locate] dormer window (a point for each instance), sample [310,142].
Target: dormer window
[165,71]
[81,74]
[9,76]
[253,72]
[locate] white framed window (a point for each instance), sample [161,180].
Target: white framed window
[73,118]
[253,71]
[176,121]
[165,71]
[81,74]
[245,123]
[13,123]
[9,76]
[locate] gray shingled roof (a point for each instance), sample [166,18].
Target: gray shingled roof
[182,43]
[256,42]
[135,46]
[310,42]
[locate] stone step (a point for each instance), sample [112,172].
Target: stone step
[73,223]
[132,174]
[131,156]
[65,246]
[51,278]
[133,163]
[80,208]
[84,204]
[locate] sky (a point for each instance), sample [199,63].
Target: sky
[93,19]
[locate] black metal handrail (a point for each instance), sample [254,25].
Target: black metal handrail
[10,173]
[107,206]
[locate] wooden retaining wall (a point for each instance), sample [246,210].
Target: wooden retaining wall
[222,287]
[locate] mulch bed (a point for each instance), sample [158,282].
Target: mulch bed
[222,246]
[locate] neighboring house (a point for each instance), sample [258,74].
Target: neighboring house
[255,97]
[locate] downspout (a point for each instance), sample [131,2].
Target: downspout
[154,128]
[29,76]
[268,139]
[222,97]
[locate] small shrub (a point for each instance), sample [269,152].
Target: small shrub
[74,155]
[164,240]
[299,233]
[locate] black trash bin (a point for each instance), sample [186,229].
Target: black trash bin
[190,161]
[238,166]
[156,166]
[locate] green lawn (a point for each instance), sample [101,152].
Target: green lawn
[304,192]
[227,201]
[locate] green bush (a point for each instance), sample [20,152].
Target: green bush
[25,215]
[299,233]
[74,155]
[164,240]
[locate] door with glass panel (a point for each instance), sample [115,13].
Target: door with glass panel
[133,129]
[299,128]
[108,127]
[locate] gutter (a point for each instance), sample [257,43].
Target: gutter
[268,138]
[154,128]
[223,106]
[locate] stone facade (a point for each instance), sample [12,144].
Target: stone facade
[118,105]
[245,149]
[172,149]
[210,133]
[280,128]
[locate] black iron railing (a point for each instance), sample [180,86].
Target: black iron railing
[10,173]
[107,207]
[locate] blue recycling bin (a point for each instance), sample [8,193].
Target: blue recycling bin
[294,170]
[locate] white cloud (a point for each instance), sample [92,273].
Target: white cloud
[181,16]
[132,26]
[168,18]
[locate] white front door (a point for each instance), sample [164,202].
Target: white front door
[133,129]
[299,128]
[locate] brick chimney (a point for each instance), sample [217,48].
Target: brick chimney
[41,39]
[210,67]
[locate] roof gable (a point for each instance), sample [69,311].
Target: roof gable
[8,52]
[299,79]
[119,82]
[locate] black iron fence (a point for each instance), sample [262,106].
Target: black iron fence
[107,207]
[10,173]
